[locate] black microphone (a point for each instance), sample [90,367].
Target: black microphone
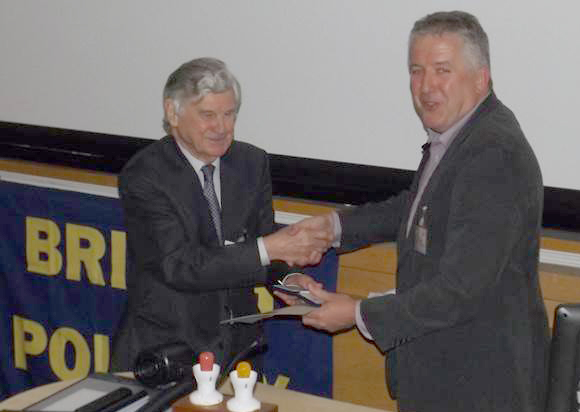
[257,346]
[169,367]
[164,364]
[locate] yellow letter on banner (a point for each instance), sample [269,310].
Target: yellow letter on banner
[102,353]
[21,328]
[265,299]
[89,256]
[57,350]
[42,238]
[281,381]
[118,256]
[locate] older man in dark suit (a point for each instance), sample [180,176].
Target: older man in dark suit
[467,328]
[199,217]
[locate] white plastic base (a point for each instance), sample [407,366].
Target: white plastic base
[206,393]
[243,400]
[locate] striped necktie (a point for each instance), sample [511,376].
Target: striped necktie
[214,206]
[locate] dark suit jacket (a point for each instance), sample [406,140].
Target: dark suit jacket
[181,283]
[468,324]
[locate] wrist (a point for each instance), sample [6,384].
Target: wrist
[270,247]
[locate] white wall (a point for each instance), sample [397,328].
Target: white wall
[321,79]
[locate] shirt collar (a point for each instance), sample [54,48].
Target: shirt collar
[196,163]
[447,136]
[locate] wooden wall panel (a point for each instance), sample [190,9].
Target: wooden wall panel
[359,372]
[551,309]
[358,365]
[58,172]
[378,258]
[560,286]
[562,245]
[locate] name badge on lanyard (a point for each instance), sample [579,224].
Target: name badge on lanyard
[421,233]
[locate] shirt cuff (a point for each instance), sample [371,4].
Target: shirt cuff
[264,258]
[360,323]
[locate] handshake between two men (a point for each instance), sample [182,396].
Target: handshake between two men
[303,244]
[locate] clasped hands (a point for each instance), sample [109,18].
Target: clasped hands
[302,243]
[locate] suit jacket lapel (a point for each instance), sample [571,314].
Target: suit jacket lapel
[234,195]
[192,194]
[448,159]
[406,244]
[186,175]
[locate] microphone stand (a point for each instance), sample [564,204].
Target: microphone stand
[256,346]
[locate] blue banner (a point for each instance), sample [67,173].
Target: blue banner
[62,290]
[304,355]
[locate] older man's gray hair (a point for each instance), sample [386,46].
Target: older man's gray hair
[193,80]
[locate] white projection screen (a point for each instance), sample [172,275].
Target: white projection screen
[321,79]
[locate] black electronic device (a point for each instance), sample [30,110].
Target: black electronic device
[98,392]
[108,400]
[164,364]
[299,292]
[564,368]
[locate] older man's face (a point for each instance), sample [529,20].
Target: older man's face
[205,127]
[443,84]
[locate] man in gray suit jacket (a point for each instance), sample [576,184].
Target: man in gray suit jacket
[466,329]
[199,218]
